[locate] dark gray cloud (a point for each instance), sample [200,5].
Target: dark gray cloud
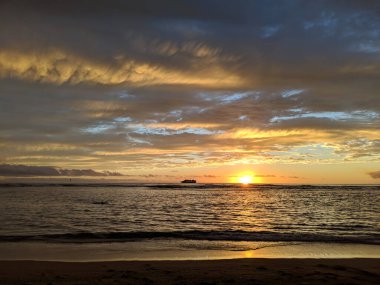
[27,170]
[374,174]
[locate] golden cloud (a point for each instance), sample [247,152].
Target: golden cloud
[58,67]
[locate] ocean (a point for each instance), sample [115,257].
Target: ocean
[193,216]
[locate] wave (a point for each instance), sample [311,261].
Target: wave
[86,237]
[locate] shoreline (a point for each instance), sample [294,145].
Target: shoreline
[231,271]
[150,250]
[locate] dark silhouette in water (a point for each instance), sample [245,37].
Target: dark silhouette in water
[100,203]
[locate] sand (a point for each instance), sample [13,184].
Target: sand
[233,271]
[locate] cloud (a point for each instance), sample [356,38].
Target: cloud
[59,68]
[126,84]
[374,174]
[26,170]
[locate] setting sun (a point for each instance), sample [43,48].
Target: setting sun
[246,179]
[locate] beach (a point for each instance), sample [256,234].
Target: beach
[234,271]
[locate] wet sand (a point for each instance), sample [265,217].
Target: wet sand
[233,271]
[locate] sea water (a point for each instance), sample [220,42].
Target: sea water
[138,219]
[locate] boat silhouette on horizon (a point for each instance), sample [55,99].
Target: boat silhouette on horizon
[189,181]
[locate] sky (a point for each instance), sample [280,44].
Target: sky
[285,91]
